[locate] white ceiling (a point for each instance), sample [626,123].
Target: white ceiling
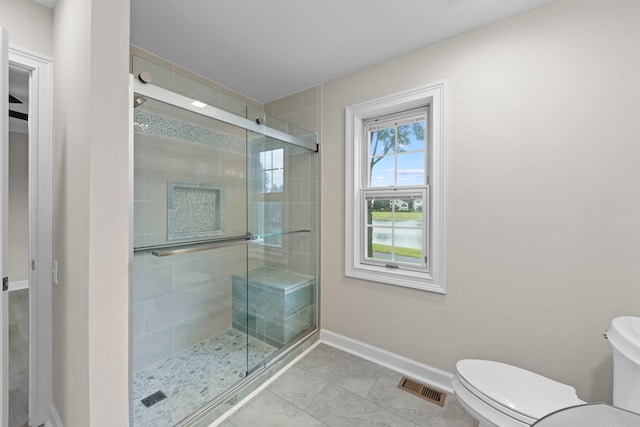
[267,49]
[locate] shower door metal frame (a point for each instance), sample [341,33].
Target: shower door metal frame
[168,97]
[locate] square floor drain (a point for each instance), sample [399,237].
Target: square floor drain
[153,398]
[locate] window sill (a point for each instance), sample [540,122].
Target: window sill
[404,278]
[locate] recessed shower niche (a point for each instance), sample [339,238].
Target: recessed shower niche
[225,252]
[194,210]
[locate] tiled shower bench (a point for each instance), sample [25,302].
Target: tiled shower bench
[280,304]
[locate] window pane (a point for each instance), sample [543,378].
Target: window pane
[379,243]
[411,136]
[394,230]
[379,223]
[270,222]
[278,158]
[266,181]
[265,159]
[408,245]
[278,181]
[411,169]
[378,211]
[382,170]
[415,205]
[400,205]
[382,142]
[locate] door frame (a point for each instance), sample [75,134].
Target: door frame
[40,136]
[4,228]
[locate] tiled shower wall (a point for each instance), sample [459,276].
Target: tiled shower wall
[170,312]
[302,110]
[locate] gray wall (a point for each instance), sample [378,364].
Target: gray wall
[542,199]
[29,24]
[18,206]
[91,211]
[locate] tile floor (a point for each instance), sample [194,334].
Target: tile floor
[18,358]
[329,387]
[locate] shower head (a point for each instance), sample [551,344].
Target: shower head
[138,101]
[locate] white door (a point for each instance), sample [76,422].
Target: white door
[4,218]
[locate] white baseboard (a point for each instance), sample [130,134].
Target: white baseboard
[54,419]
[418,371]
[14,286]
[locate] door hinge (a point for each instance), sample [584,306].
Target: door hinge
[5,283]
[33,265]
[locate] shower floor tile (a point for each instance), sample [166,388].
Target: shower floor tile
[193,377]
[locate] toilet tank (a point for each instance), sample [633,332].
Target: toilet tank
[624,336]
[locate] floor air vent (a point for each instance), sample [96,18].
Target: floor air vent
[423,391]
[153,398]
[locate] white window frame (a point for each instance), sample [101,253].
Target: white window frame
[356,176]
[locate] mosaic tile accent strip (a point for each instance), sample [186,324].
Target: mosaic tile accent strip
[194,210]
[194,377]
[146,122]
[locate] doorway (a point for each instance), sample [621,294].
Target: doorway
[18,268]
[26,345]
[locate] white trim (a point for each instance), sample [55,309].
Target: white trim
[54,419]
[254,393]
[416,370]
[355,150]
[4,226]
[16,286]
[40,228]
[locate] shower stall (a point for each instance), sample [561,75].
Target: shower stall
[225,248]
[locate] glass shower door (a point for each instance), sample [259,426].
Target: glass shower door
[282,212]
[190,262]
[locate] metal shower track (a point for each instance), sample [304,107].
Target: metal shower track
[152,91]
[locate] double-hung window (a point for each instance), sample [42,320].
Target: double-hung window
[394,190]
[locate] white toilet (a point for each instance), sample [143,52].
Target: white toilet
[497,394]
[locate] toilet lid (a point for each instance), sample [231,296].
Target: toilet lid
[519,390]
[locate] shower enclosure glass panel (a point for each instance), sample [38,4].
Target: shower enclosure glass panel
[281,270]
[224,256]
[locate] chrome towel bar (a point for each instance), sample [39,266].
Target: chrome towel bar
[171,249]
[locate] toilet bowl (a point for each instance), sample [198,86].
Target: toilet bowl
[497,394]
